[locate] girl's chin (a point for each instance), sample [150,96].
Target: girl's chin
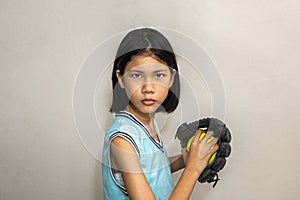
[144,109]
[147,111]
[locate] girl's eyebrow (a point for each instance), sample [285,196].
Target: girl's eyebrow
[156,71]
[135,70]
[160,70]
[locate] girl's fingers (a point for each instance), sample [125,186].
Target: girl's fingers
[213,141]
[197,135]
[208,136]
[214,148]
[207,144]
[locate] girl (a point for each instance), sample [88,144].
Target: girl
[135,164]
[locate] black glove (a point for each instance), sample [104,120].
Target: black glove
[186,131]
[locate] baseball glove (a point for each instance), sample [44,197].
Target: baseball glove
[217,162]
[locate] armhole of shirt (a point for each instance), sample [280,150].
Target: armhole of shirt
[117,177]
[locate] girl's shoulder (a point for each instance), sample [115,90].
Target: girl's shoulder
[124,123]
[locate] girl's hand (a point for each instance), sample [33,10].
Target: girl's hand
[200,151]
[196,160]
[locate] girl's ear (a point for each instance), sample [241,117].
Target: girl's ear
[172,77]
[120,79]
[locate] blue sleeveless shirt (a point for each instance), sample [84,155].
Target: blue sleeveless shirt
[152,156]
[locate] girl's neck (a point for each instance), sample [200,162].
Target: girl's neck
[146,118]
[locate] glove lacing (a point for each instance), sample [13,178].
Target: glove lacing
[215,180]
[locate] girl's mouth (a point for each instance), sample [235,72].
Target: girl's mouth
[148,102]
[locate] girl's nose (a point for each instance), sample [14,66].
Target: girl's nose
[148,88]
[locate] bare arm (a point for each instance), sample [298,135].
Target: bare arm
[176,163]
[125,159]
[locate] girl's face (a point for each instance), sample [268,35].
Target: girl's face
[146,82]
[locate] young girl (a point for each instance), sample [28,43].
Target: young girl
[135,164]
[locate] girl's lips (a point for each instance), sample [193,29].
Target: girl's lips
[148,102]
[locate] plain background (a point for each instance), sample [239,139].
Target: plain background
[254,44]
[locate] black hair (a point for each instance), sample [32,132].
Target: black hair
[146,42]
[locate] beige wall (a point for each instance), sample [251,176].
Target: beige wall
[254,45]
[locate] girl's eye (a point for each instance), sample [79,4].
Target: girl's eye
[136,75]
[159,75]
